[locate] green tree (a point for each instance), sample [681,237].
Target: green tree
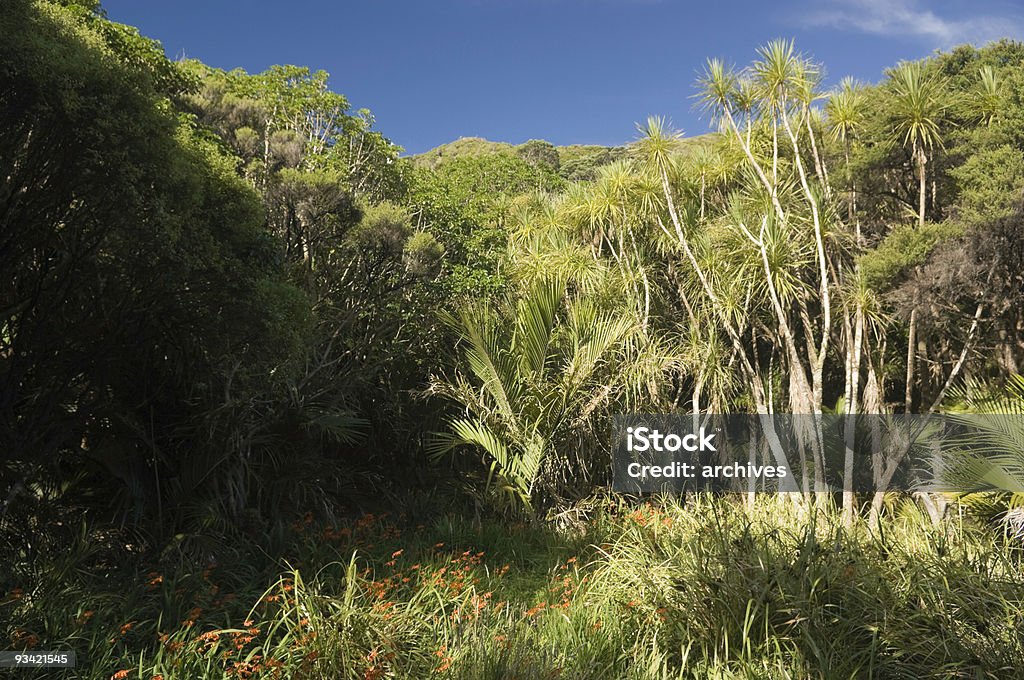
[920,103]
[140,285]
[536,372]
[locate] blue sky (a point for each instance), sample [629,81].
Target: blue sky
[569,71]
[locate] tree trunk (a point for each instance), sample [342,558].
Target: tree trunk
[922,159]
[908,396]
[851,418]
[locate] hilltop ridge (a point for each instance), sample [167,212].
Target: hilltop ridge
[572,161]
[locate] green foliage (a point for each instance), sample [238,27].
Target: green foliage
[288,117]
[991,183]
[423,254]
[710,589]
[574,162]
[539,153]
[991,457]
[580,162]
[904,247]
[535,374]
[464,204]
[463,147]
[919,105]
[226,297]
[141,280]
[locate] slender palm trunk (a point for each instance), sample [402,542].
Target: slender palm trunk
[851,420]
[757,386]
[922,160]
[818,360]
[908,394]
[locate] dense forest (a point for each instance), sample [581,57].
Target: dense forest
[277,400]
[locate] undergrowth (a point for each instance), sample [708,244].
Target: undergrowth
[714,588]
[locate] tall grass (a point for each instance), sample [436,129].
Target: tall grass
[710,589]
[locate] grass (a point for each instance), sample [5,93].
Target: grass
[714,588]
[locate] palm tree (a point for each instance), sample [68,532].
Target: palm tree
[919,109]
[725,288]
[534,372]
[987,99]
[707,164]
[775,73]
[986,463]
[845,111]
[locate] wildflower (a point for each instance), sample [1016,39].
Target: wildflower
[193,616]
[127,627]
[120,675]
[397,553]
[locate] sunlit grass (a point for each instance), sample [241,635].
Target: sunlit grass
[712,589]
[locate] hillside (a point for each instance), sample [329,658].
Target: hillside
[573,162]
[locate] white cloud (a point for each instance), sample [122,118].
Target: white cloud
[909,18]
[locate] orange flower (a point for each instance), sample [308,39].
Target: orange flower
[397,553]
[120,675]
